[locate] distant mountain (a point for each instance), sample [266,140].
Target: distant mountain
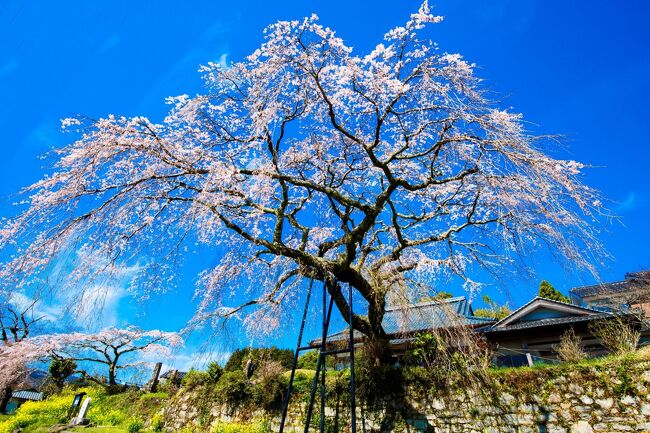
[36,378]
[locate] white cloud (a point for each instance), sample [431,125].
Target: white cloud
[102,303]
[223,60]
[91,289]
[49,312]
[631,202]
[202,52]
[95,307]
[99,305]
[44,136]
[187,359]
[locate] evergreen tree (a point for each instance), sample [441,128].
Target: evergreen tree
[546,290]
[493,311]
[60,369]
[214,371]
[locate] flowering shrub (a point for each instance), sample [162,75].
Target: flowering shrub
[261,426]
[233,388]
[194,378]
[15,422]
[51,411]
[157,423]
[134,426]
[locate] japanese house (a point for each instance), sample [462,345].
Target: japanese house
[530,333]
[19,397]
[527,335]
[632,293]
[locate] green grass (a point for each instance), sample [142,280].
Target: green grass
[112,413]
[301,373]
[102,429]
[604,361]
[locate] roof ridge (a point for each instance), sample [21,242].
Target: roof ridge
[516,310]
[589,286]
[543,322]
[427,303]
[541,298]
[629,276]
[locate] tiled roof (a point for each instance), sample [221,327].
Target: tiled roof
[423,316]
[576,314]
[168,374]
[540,299]
[543,322]
[631,279]
[596,289]
[27,395]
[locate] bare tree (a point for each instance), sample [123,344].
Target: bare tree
[16,321]
[375,170]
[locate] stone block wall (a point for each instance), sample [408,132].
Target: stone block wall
[584,400]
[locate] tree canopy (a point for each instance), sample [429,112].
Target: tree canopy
[383,170]
[259,355]
[493,310]
[109,347]
[546,290]
[60,369]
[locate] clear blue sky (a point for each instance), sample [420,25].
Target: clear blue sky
[581,69]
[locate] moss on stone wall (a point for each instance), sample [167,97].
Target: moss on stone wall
[606,395]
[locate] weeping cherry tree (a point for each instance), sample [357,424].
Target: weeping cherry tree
[381,170]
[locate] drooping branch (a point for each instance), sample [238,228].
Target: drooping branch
[377,170]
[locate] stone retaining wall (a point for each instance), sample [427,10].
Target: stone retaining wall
[589,399]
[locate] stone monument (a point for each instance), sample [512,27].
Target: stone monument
[249,368]
[81,419]
[153,382]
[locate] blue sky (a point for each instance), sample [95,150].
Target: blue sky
[581,69]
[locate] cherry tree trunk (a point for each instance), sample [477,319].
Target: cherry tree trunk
[5,396]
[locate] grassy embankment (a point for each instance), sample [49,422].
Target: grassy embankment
[133,411]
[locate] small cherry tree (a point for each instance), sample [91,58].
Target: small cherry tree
[377,170]
[16,323]
[116,349]
[15,359]
[110,347]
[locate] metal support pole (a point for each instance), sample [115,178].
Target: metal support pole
[323,365]
[319,365]
[285,406]
[310,408]
[353,404]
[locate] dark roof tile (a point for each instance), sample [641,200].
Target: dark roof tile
[631,278]
[595,289]
[27,395]
[401,320]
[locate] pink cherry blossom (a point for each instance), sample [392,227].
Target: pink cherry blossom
[305,159]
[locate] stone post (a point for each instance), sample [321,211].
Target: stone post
[153,382]
[81,417]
